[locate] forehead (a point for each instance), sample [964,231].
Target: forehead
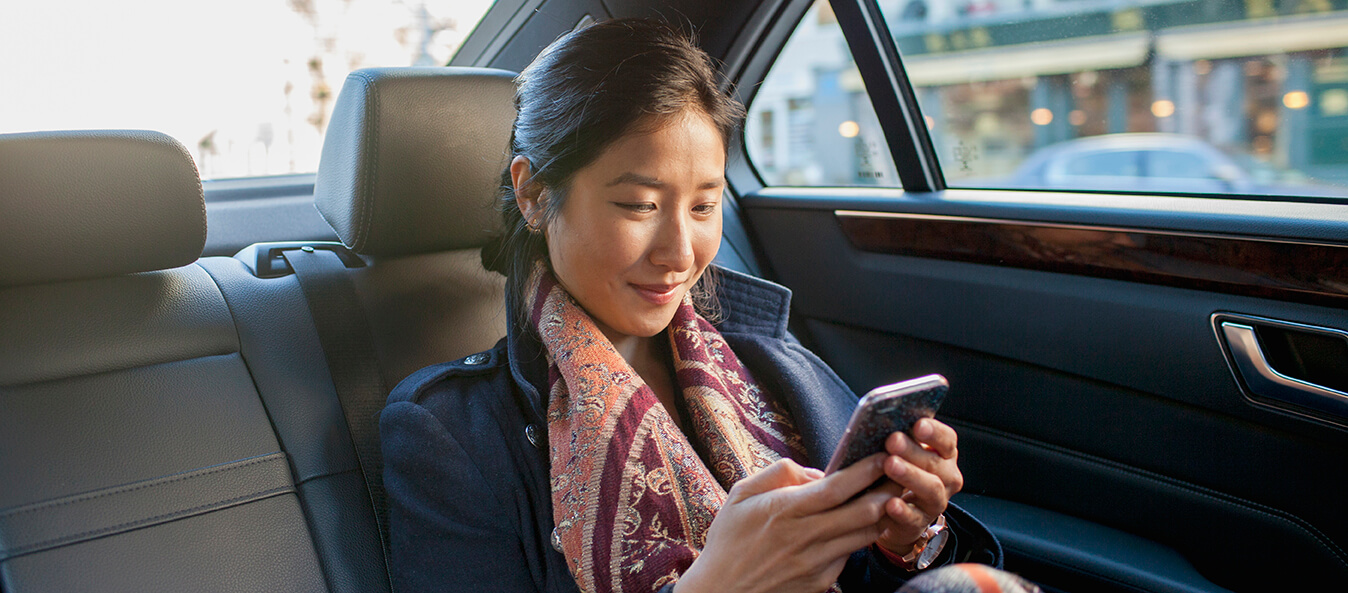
[685,142]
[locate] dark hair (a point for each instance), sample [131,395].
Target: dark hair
[583,92]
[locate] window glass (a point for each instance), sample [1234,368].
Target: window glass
[1178,165]
[247,86]
[1251,95]
[1102,164]
[811,122]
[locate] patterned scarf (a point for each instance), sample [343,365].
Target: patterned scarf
[631,499]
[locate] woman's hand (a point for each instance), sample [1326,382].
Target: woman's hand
[927,468]
[788,528]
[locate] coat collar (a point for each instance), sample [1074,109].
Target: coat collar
[748,305]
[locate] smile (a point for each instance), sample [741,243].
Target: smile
[657,294]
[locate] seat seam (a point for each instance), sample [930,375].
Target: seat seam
[190,475]
[149,521]
[119,369]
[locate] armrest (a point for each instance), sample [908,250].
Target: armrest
[1041,543]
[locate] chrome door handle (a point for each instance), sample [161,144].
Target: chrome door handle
[1262,380]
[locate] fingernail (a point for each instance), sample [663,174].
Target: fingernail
[923,429]
[897,468]
[900,443]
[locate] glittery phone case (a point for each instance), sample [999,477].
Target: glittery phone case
[885,410]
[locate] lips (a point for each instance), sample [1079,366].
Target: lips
[657,294]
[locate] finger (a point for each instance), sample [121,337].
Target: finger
[865,510]
[821,495]
[906,518]
[850,541]
[782,473]
[937,435]
[904,446]
[925,490]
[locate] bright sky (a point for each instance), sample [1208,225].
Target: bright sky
[188,67]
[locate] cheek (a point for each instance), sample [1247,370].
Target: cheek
[707,242]
[590,253]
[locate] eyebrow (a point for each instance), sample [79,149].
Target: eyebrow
[643,180]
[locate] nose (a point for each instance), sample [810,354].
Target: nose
[673,248]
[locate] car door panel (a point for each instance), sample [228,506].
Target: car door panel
[1103,399]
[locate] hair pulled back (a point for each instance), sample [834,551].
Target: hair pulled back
[583,92]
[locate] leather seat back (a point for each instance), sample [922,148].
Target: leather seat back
[410,167]
[135,452]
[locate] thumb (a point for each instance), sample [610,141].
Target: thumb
[782,473]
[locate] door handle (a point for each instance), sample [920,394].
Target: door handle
[1266,382]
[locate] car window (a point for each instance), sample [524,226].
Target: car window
[247,86]
[811,123]
[1012,89]
[1179,165]
[1116,163]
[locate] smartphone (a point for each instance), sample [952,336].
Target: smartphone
[887,409]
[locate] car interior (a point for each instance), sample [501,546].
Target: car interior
[1150,390]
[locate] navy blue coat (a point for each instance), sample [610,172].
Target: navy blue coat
[466,460]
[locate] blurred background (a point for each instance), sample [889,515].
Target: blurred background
[1190,96]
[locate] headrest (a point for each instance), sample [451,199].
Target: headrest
[94,204]
[413,158]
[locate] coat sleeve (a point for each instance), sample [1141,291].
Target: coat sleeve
[448,528]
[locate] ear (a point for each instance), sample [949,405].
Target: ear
[527,192]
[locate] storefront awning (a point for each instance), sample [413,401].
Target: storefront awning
[1254,38]
[1030,59]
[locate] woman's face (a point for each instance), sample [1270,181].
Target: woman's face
[640,224]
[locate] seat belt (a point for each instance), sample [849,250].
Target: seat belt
[348,347]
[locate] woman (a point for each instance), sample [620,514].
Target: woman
[617,439]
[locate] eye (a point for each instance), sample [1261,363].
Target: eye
[708,208]
[638,207]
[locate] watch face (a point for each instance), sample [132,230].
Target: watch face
[932,549]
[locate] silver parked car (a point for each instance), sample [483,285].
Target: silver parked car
[1152,163]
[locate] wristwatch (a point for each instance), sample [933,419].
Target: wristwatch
[925,550]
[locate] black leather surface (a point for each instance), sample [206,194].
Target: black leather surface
[70,520]
[413,157]
[51,331]
[86,433]
[430,308]
[1111,559]
[96,204]
[1178,475]
[281,347]
[261,546]
[344,533]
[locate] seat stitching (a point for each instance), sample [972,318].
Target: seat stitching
[132,488]
[93,533]
[133,367]
[367,173]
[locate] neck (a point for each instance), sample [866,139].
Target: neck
[650,358]
[636,350]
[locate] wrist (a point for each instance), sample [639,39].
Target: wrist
[893,551]
[921,553]
[689,581]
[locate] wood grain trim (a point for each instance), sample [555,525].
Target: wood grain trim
[1307,272]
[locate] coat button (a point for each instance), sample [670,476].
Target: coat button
[557,541]
[531,433]
[477,359]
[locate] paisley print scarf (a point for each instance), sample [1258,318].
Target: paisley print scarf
[631,498]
